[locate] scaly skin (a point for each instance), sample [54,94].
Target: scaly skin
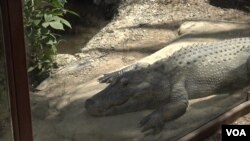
[192,72]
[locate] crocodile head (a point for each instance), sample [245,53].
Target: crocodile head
[130,92]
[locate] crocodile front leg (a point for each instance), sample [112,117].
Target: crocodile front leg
[176,107]
[110,77]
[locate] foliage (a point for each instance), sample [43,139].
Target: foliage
[41,19]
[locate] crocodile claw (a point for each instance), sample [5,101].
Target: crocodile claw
[108,78]
[152,124]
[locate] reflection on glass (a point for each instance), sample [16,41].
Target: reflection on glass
[97,44]
[5,123]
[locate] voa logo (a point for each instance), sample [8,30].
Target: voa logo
[236,132]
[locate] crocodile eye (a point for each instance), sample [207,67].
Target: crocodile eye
[124,81]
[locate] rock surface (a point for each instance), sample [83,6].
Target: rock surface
[64,59]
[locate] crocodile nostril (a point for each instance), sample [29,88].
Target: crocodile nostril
[89,102]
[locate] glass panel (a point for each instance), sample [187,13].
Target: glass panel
[66,61]
[5,120]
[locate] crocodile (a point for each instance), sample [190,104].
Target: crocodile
[167,85]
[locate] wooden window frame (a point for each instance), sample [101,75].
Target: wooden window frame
[17,71]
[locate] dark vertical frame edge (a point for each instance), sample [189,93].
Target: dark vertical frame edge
[17,70]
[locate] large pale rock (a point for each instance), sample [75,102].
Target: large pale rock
[206,27]
[64,59]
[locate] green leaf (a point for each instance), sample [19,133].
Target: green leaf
[50,42]
[44,37]
[72,12]
[58,3]
[63,21]
[52,36]
[55,18]
[47,61]
[56,25]
[45,24]
[48,18]
[39,65]
[31,69]
[37,21]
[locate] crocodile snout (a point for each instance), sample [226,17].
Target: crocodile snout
[92,107]
[89,103]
